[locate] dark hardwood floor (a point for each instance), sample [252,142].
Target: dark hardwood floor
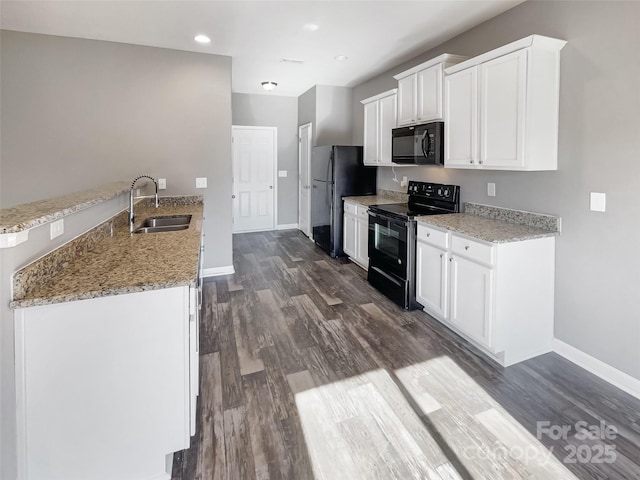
[307,372]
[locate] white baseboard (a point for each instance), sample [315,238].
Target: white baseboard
[606,372]
[287,226]
[217,271]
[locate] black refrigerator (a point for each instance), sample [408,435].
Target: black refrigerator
[337,172]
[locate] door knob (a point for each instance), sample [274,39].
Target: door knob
[233,196]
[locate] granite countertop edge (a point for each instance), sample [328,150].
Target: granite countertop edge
[368,200]
[88,295]
[485,229]
[27,216]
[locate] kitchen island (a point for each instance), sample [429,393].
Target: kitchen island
[107,350]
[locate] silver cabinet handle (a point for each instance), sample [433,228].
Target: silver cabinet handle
[428,234]
[233,196]
[442,255]
[451,259]
[467,247]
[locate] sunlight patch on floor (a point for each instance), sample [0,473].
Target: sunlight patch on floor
[367,427]
[487,441]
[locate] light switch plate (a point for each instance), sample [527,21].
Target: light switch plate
[162,184]
[282,173]
[56,228]
[598,202]
[201,182]
[491,189]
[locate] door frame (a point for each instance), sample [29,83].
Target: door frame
[274,130]
[300,127]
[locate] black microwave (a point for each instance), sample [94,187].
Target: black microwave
[418,144]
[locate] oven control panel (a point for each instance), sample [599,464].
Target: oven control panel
[434,190]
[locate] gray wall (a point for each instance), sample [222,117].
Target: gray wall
[334,115]
[78,114]
[307,111]
[330,111]
[599,150]
[280,112]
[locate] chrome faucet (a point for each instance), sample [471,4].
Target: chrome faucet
[132,197]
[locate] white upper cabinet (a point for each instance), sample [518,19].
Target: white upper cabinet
[420,90]
[379,118]
[502,108]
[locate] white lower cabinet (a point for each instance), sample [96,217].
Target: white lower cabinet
[106,386]
[355,241]
[432,271]
[498,296]
[471,298]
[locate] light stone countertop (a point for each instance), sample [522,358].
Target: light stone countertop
[29,215]
[125,263]
[368,200]
[487,229]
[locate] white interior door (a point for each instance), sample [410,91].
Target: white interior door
[254,166]
[304,185]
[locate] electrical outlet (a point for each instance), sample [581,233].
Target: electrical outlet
[282,173]
[201,182]
[598,202]
[404,182]
[56,228]
[491,189]
[162,184]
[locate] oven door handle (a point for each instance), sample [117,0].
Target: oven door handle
[389,220]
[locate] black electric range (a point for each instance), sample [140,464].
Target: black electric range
[392,238]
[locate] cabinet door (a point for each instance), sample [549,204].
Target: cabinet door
[502,110]
[461,117]
[387,108]
[471,299]
[362,247]
[431,279]
[430,94]
[371,154]
[349,235]
[407,112]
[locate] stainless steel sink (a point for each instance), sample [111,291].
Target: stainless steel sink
[169,223]
[166,220]
[164,228]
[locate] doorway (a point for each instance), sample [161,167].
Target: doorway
[304,183]
[254,195]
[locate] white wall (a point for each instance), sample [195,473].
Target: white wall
[597,263]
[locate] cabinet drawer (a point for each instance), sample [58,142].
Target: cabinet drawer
[350,208]
[435,237]
[363,212]
[472,249]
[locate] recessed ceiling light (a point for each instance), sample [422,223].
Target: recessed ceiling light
[202,39]
[341,58]
[269,86]
[312,27]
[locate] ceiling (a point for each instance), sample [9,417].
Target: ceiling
[374,35]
